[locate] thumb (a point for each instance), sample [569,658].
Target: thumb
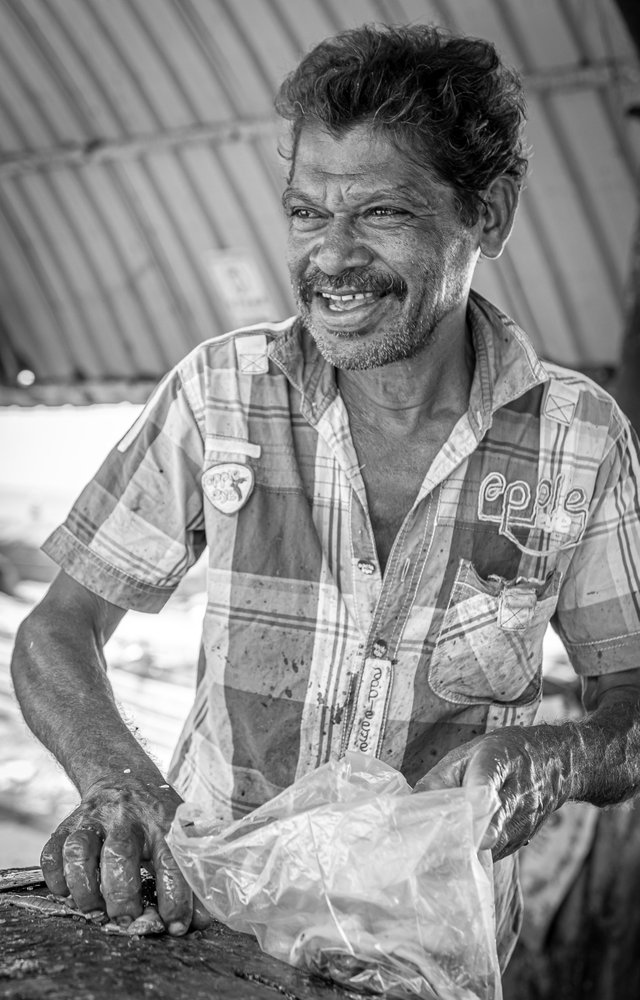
[482,782]
[450,770]
[432,781]
[486,765]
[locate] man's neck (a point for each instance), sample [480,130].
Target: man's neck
[405,395]
[400,417]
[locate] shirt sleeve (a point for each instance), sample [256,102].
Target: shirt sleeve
[598,612]
[138,525]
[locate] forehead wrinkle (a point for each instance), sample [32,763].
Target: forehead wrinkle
[348,185]
[359,169]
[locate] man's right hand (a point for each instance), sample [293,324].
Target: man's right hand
[60,677]
[96,853]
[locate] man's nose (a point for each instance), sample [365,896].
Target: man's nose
[339,249]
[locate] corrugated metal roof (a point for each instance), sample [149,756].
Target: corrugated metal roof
[140,184]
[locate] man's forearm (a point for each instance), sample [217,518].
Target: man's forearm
[536,769]
[606,754]
[126,806]
[60,680]
[596,759]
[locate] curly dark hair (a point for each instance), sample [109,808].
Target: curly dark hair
[445,100]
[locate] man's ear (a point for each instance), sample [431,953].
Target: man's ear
[500,205]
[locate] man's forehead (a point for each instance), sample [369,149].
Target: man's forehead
[361,158]
[351,151]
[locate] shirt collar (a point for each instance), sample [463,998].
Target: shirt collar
[506,365]
[296,354]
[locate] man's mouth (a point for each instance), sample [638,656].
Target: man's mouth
[347,301]
[351,303]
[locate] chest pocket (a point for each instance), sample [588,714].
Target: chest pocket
[489,646]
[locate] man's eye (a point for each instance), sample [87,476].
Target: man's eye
[304,220]
[385,212]
[303,214]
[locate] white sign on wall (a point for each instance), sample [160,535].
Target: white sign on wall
[240,287]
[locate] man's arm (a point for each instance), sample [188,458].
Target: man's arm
[59,673]
[536,769]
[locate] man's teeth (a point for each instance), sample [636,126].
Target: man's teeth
[348,300]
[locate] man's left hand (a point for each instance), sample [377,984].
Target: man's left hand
[530,769]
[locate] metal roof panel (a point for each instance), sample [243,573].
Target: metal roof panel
[138,140]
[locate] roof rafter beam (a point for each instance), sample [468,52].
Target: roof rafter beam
[600,73]
[101,150]
[603,73]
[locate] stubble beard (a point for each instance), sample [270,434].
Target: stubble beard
[404,339]
[398,343]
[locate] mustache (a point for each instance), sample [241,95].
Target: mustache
[355,279]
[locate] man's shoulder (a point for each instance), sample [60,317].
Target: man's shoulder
[245,349]
[517,363]
[589,401]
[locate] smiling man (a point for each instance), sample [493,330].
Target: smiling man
[377,254]
[396,496]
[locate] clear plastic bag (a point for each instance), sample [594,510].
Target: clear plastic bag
[349,875]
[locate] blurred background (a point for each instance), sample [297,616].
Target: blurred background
[140,214]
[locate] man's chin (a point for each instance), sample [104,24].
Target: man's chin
[347,349]
[357,352]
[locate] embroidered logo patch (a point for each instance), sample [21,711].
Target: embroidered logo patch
[553,507]
[228,486]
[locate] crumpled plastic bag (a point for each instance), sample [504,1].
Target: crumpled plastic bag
[349,875]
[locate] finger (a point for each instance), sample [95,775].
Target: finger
[485,769]
[493,762]
[492,835]
[121,881]
[447,773]
[148,923]
[175,899]
[52,864]
[431,782]
[81,857]
[495,828]
[521,820]
[201,917]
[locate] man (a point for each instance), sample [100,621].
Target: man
[396,494]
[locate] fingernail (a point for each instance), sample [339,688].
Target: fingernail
[177,928]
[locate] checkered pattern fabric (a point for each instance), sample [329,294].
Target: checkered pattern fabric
[529,514]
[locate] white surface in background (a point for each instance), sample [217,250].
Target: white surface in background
[47,454]
[58,447]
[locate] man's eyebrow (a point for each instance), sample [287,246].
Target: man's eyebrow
[367,196]
[293,192]
[406,192]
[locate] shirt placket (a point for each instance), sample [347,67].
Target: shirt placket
[381,606]
[385,603]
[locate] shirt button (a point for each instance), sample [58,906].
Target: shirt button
[366,566]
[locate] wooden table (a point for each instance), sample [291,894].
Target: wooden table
[592,951]
[69,958]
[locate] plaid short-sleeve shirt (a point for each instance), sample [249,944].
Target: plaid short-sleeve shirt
[529,514]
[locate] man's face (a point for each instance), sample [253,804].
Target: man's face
[377,254]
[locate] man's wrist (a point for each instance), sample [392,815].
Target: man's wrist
[605,752]
[563,756]
[126,762]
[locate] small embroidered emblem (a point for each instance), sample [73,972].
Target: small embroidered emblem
[228,486]
[560,401]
